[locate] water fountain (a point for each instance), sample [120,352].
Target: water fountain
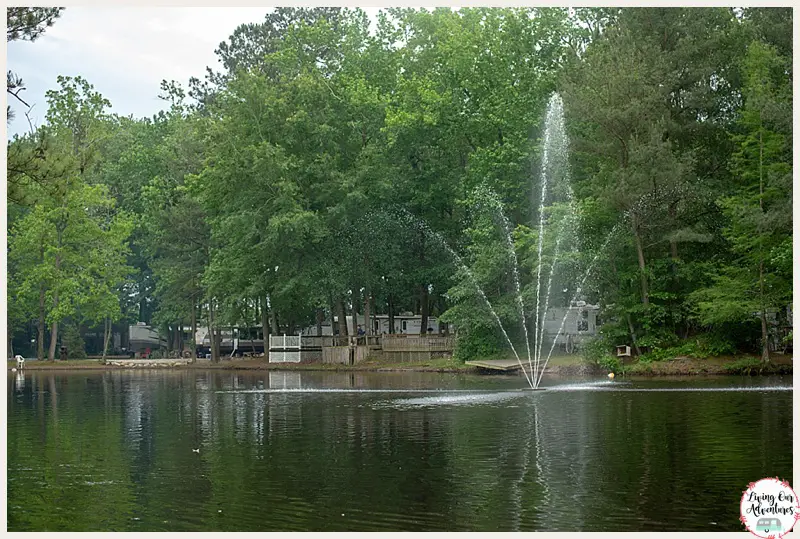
[554,167]
[554,178]
[553,175]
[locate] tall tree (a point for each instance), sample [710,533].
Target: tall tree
[26,24]
[758,279]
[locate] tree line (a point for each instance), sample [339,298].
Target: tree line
[338,166]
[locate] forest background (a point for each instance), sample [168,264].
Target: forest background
[325,167]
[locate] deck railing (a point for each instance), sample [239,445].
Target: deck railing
[284,342]
[389,343]
[417,343]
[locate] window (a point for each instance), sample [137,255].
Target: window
[583,322]
[404,325]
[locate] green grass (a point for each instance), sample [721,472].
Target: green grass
[753,365]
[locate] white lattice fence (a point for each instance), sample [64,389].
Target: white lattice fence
[284,349]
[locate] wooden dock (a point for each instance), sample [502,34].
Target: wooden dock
[503,365]
[148,363]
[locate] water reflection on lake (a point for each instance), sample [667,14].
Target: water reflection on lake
[333,451]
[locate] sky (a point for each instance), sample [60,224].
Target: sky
[124,52]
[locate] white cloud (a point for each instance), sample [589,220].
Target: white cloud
[124,52]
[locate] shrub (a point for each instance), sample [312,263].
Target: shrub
[72,339]
[610,363]
[716,344]
[478,343]
[595,350]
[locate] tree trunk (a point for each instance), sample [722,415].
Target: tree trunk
[374,322]
[40,338]
[332,307]
[106,338]
[631,330]
[390,306]
[633,335]
[51,354]
[367,311]
[194,331]
[343,329]
[320,317]
[423,307]
[217,340]
[273,321]
[265,325]
[640,254]
[356,297]
[212,337]
[764,328]
[210,322]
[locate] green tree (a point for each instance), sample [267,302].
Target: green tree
[25,24]
[759,230]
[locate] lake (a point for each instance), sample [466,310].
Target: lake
[334,451]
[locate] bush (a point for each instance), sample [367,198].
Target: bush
[595,350]
[598,352]
[610,363]
[72,339]
[658,340]
[715,344]
[688,349]
[701,347]
[479,343]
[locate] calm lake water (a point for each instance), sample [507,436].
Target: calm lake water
[387,451]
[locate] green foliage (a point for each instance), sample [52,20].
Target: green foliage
[599,352]
[72,339]
[610,363]
[594,350]
[25,24]
[716,344]
[758,212]
[333,161]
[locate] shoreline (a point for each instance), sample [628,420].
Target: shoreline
[565,366]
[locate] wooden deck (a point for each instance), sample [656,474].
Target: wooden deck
[504,365]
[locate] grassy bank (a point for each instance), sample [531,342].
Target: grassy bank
[558,365]
[434,365]
[738,365]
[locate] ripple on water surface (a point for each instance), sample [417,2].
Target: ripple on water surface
[337,452]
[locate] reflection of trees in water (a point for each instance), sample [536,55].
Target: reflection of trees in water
[567,461]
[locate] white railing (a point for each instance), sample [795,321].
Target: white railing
[284,349]
[284,342]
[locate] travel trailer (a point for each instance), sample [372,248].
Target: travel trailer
[408,324]
[571,327]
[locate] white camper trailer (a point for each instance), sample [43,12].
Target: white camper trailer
[577,324]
